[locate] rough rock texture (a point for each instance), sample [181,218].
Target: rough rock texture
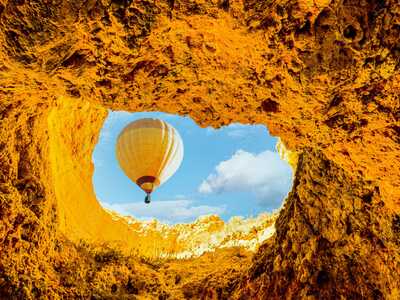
[333,240]
[322,75]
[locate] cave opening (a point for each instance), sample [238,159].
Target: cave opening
[233,178]
[332,100]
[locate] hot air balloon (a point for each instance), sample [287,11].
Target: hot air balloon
[149,152]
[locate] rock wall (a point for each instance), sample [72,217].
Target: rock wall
[322,75]
[335,239]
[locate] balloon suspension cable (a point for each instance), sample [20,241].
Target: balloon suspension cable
[147,199]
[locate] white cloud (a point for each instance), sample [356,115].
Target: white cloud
[172,211]
[237,133]
[234,130]
[264,175]
[237,130]
[238,126]
[114,117]
[210,130]
[106,135]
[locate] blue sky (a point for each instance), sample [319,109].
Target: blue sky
[231,171]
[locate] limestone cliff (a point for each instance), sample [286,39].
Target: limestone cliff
[322,75]
[206,234]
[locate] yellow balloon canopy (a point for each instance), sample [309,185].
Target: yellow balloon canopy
[149,152]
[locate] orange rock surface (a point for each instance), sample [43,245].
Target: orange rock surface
[322,75]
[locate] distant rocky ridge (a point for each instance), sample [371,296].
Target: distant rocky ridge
[205,234]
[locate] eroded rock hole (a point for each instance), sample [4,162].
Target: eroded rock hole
[230,185]
[270,106]
[350,32]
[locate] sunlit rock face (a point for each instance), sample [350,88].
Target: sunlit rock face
[323,76]
[205,234]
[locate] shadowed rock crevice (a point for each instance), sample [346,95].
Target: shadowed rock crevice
[322,75]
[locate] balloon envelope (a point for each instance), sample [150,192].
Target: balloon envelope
[149,152]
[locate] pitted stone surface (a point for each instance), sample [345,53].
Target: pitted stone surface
[322,75]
